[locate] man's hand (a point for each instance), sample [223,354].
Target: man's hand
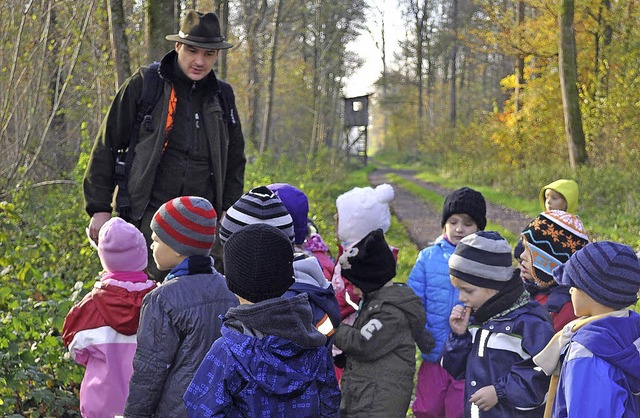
[97,220]
[485,398]
[459,319]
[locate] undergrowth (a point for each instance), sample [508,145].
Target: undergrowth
[46,265]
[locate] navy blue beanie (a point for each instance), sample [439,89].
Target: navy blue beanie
[607,271]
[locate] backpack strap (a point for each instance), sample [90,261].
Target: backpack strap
[152,86]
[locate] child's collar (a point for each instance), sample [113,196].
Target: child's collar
[195,264]
[549,358]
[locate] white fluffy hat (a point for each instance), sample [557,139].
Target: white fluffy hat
[362,210]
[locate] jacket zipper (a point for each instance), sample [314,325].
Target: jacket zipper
[189,137]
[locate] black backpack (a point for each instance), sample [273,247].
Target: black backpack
[152,87]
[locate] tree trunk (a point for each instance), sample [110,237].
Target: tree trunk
[161,20]
[454,54]
[569,86]
[266,125]
[603,38]
[254,15]
[55,141]
[430,81]
[222,10]
[385,120]
[420,13]
[519,66]
[118,38]
[420,27]
[315,84]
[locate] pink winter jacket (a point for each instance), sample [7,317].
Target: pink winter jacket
[100,333]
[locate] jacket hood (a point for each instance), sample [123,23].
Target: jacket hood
[119,307]
[308,271]
[615,340]
[445,244]
[568,189]
[403,298]
[324,299]
[532,308]
[286,344]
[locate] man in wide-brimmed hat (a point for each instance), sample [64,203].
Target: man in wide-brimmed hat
[191,143]
[200,35]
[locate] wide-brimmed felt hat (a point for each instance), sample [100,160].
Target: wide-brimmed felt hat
[201,30]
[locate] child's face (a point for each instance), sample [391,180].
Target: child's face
[526,264]
[584,305]
[458,226]
[471,295]
[165,257]
[554,200]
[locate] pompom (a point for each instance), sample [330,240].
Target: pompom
[384,193]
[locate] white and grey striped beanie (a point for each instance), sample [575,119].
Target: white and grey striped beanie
[259,205]
[482,259]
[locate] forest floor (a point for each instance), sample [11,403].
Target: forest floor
[422,220]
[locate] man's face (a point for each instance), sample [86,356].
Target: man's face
[196,62]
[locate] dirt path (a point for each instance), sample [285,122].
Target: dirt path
[422,220]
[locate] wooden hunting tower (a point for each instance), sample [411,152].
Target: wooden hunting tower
[356,122]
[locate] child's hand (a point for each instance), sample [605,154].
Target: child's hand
[485,398]
[459,319]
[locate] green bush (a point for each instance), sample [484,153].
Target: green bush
[46,265]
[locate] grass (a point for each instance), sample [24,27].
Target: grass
[436,200]
[528,207]
[606,214]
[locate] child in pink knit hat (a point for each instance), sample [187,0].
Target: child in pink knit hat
[100,331]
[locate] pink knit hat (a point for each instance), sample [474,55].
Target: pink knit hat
[121,247]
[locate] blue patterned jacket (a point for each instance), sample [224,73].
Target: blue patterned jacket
[269,362]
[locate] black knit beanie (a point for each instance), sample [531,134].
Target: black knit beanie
[465,200]
[370,263]
[258,262]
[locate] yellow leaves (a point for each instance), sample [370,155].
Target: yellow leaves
[509,82]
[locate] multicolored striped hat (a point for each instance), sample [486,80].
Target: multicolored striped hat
[187,224]
[550,239]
